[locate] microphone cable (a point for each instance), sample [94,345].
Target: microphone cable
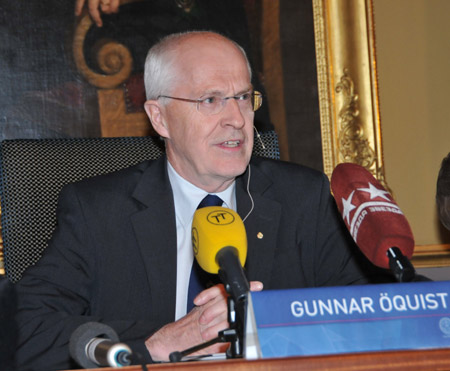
[248,192]
[259,137]
[250,172]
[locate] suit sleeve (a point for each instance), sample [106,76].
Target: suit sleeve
[56,295]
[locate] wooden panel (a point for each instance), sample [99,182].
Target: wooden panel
[437,359]
[426,256]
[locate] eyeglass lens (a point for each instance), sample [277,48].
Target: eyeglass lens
[214,105]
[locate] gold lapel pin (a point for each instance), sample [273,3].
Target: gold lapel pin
[260,235]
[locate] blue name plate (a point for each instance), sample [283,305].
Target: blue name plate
[346,319]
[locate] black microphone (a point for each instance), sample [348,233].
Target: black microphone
[95,344]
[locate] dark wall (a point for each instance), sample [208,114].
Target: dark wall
[300,82]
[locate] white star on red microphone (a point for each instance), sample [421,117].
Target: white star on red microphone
[348,206]
[375,192]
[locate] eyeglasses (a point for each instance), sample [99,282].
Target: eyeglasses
[214,104]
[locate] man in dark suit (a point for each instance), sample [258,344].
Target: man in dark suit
[121,252]
[8,328]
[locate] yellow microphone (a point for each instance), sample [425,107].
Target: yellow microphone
[219,241]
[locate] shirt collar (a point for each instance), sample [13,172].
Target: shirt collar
[187,196]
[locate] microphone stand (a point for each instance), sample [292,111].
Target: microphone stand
[237,286]
[233,335]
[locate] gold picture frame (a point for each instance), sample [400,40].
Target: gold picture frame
[347,83]
[348,97]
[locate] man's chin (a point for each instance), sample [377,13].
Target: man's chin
[235,171]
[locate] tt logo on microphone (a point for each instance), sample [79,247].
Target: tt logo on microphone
[220,217]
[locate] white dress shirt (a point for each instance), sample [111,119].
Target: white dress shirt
[186,198]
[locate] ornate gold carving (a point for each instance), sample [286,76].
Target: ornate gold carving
[349,111]
[353,144]
[323,85]
[114,59]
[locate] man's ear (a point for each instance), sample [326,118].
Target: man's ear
[156,115]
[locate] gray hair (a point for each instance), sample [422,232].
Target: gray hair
[159,74]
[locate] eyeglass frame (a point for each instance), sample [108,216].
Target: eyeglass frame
[256,97]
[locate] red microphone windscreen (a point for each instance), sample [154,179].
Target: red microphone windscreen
[374,220]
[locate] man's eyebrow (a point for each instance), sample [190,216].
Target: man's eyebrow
[247,89]
[250,88]
[220,93]
[211,92]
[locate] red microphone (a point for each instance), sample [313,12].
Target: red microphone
[373,218]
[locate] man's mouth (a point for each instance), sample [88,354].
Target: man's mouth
[231,143]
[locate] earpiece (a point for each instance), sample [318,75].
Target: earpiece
[259,137]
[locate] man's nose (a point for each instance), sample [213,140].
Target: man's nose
[233,114]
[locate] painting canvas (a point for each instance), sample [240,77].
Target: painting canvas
[44,93]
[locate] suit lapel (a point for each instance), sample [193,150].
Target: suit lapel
[261,225]
[155,229]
